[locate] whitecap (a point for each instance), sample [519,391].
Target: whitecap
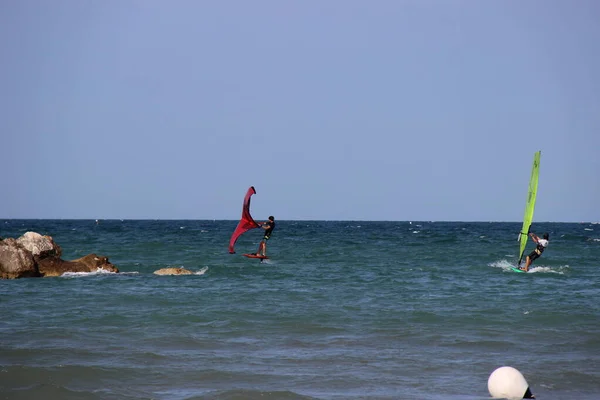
[99,271]
[202,271]
[547,270]
[504,264]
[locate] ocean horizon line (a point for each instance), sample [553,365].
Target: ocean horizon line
[295,220]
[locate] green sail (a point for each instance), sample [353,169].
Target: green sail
[529,207]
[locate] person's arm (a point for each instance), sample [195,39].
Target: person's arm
[534,237]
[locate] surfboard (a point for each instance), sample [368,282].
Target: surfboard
[517,270]
[250,255]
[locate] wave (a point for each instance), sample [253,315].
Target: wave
[507,265]
[250,394]
[201,271]
[549,270]
[99,271]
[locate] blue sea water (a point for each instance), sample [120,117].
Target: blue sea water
[342,310]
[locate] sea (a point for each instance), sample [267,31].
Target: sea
[340,310]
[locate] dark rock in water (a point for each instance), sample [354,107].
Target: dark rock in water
[34,255]
[55,266]
[16,261]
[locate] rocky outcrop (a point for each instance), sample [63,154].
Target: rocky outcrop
[39,245]
[173,271]
[34,255]
[16,261]
[55,266]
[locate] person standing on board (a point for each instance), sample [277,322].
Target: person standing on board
[268,226]
[541,245]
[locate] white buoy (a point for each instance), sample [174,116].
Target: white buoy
[508,383]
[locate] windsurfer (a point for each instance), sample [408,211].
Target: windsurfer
[541,245]
[268,226]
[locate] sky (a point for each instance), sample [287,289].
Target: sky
[397,110]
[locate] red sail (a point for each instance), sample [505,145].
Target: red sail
[246,223]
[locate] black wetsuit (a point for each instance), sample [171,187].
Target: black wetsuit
[271,226]
[539,249]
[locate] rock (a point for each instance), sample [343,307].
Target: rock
[55,266]
[34,255]
[173,271]
[39,245]
[16,261]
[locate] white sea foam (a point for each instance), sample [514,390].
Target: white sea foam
[560,270]
[99,271]
[202,271]
[504,264]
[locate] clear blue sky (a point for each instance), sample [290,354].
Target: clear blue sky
[334,110]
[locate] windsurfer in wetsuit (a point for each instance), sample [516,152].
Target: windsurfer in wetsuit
[541,245]
[268,226]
